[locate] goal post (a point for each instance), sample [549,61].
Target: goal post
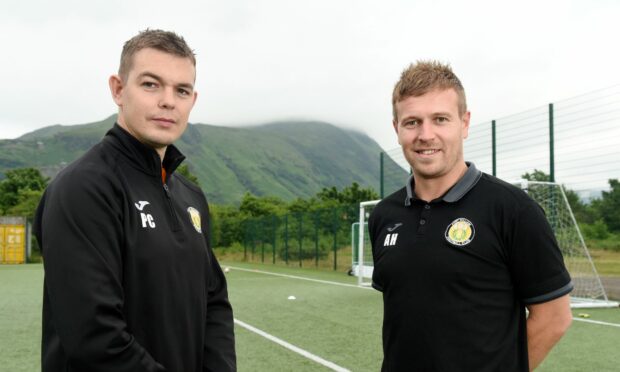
[362,265]
[588,289]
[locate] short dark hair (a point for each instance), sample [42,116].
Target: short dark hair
[165,41]
[423,77]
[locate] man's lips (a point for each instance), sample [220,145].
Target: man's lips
[427,151]
[164,120]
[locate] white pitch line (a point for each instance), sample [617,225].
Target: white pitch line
[298,277]
[293,348]
[597,322]
[356,286]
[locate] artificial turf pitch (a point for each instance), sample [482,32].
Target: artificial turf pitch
[338,324]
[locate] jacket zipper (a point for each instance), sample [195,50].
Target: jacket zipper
[175,220]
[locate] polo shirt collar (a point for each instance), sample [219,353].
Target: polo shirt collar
[462,186]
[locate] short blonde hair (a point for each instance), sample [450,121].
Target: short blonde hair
[423,77]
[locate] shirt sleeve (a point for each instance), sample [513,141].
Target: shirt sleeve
[219,344]
[79,227]
[537,264]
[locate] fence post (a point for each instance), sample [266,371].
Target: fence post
[286,238]
[262,240]
[300,235]
[494,148]
[551,142]
[335,238]
[253,239]
[275,231]
[245,241]
[316,238]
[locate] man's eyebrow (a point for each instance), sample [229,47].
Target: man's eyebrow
[151,75]
[409,117]
[189,86]
[418,117]
[186,86]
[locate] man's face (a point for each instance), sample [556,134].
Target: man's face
[431,132]
[155,98]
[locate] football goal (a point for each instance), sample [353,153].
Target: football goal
[588,292]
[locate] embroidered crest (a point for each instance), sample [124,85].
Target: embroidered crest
[194,215]
[460,232]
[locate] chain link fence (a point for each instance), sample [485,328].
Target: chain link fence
[320,238]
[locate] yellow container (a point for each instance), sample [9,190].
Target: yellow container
[12,243]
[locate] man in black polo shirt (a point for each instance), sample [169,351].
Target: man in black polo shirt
[459,255]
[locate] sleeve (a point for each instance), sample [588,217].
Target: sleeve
[219,344]
[536,261]
[377,283]
[79,227]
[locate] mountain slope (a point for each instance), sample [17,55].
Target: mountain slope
[285,159]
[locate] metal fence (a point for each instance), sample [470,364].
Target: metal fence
[576,141]
[320,238]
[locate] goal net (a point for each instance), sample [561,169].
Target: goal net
[588,291]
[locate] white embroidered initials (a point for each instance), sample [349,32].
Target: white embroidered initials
[147,219]
[390,240]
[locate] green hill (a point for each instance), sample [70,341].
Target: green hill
[285,159]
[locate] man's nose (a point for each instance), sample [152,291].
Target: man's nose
[426,131]
[167,99]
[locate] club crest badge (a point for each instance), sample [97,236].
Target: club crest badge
[194,216]
[460,232]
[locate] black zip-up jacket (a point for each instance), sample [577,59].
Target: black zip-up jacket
[131,283]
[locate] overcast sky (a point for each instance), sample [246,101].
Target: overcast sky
[329,60]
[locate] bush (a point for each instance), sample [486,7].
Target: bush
[598,230]
[308,250]
[607,244]
[611,243]
[232,253]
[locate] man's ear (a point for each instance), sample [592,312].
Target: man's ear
[395,125]
[465,129]
[116,88]
[195,97]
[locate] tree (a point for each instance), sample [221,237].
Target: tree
[27,202]
[226,225]
[300,205]
[609,208]
[350,195]
[580,210]
[596,230]
[537,175]
[20,180]
[254,206]
[344,203]
[183,170]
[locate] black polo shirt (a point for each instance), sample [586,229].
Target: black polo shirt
[457,272]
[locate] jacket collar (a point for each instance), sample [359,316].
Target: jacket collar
[462,186]
[141,156]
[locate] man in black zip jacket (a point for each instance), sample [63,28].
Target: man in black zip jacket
[131,283]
